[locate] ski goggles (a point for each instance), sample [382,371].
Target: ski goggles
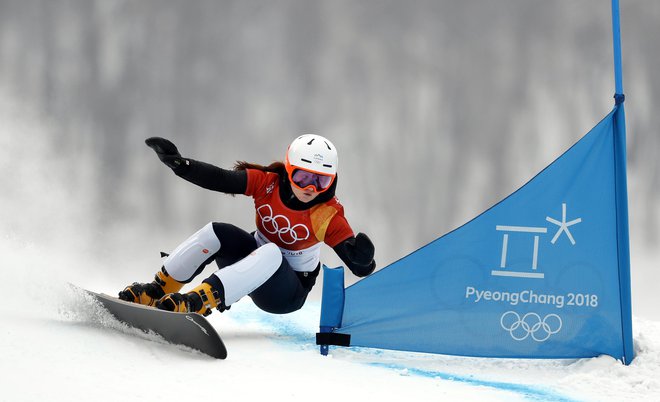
[307,180]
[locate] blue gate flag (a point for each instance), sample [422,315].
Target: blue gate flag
[542,274]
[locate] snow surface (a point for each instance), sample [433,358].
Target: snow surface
[58,345]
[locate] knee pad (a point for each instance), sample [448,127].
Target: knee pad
[246,275]
[191,255]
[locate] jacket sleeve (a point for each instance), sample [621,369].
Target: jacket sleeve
[212,177]
[358,254]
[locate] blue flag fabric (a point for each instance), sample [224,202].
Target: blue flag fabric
[537,275]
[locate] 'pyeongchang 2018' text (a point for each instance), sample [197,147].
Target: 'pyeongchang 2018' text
[531,297]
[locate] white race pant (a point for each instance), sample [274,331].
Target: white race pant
[186,259]
[238,279]
[246,275]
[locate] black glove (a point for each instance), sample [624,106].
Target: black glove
[166,151]
[362,252]
[358,253]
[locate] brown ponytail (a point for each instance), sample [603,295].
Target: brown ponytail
[275,167]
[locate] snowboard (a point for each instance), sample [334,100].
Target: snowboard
[188,329]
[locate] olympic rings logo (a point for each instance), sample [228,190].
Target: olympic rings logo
[530,324]
[281,225]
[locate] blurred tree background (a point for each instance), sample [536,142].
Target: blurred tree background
[439,109]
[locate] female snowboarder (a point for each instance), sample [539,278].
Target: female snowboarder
[277,264]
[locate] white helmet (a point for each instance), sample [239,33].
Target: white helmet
[313,153]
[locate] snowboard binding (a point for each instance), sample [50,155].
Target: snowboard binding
[149,293]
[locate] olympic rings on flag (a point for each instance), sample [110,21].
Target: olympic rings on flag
[530,324]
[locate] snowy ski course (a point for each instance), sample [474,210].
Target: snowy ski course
[297,333]
[600,378]
[62,346]
[58,345]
